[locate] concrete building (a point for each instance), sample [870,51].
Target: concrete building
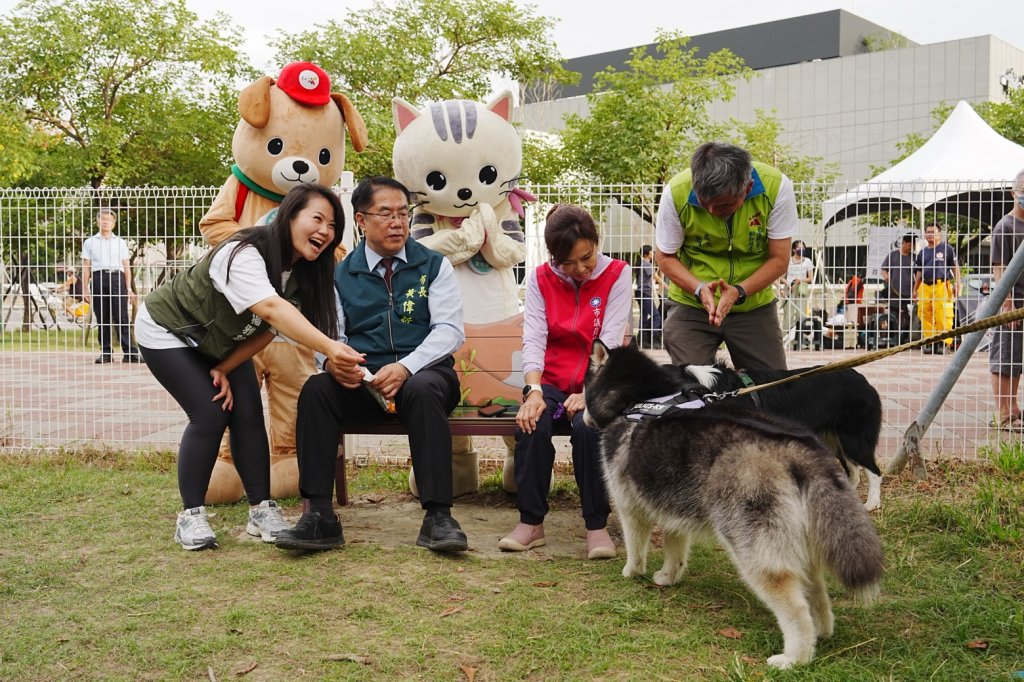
[833,98]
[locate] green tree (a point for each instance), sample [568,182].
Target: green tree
[884,40]
[130,92]
[424,51]
[645,121]
[1006,118]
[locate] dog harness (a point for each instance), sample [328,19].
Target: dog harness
[655,408]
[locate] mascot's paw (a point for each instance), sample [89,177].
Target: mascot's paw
[465,475]
[508,474]
[225,485]
[284,476]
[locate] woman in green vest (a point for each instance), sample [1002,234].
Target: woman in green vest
[199,332]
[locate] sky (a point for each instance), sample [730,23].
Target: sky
[592,26]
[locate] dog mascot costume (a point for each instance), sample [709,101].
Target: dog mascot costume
[291,131]
[462,160]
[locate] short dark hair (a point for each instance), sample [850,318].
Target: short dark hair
[720,169]
[645,250]
[564,226]
[362,195]
[909,238]
[936,224]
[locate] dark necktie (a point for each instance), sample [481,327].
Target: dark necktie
[388,272]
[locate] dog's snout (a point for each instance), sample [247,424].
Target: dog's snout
[465,193]
[300,166]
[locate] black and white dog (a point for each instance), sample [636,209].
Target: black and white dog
[766,488]
[841,407]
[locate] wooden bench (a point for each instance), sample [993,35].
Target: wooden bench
[489,369]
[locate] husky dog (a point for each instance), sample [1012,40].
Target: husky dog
[774,497]
[841,407]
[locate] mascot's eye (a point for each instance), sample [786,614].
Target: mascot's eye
[275,146]
[325,156]
[436,180]
[488,174]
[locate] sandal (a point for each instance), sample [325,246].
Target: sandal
[1011,423]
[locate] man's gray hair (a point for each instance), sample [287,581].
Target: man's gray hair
[106,211]
[720,169]
[1018,182]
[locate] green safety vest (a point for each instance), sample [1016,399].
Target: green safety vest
[731,249]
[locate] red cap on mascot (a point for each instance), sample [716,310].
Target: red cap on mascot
[306,83]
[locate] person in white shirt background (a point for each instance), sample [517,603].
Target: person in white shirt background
[107,286]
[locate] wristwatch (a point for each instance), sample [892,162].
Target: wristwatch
[530,388]
[743,294]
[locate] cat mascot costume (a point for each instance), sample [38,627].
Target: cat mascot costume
[292,130]
[461,161]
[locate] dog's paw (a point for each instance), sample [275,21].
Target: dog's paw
[631,571]
[780,661]
[872,504]
[666,577]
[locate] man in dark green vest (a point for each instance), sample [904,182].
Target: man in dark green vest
[399,305]
[723,232]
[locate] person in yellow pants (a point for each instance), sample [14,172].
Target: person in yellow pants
[937,280]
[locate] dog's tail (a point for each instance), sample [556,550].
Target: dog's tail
[845,536]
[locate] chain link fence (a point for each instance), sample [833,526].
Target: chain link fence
[53,395]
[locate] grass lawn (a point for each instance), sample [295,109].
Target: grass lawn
[93,587]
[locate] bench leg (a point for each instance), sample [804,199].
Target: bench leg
[340,479]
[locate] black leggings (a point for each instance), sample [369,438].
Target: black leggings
[185,373]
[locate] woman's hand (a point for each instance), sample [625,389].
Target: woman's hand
[344,364]
[530,411]
[574,404]
[220,380]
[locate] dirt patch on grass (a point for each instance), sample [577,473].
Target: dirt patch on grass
[393,519]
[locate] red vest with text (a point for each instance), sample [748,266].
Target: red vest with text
[574,321]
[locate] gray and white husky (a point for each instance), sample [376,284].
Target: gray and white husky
[772,494]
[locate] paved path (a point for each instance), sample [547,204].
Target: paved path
[60,398]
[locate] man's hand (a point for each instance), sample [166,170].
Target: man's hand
[390,378]
[727,298]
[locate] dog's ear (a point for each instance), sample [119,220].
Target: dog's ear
[254,102]
[598,355]
[353,121]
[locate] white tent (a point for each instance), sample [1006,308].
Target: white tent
[965,168]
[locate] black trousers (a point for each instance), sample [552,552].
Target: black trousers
[185,373]
[535,457]
[110,301]
[423,403]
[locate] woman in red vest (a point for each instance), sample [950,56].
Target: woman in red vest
[578,296]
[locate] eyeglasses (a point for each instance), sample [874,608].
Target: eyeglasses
[391,216]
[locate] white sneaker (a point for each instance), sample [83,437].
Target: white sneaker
[193,530]
[265,521]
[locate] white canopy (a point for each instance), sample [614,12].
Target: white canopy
[965,168]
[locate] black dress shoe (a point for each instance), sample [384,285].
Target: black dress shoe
[312,532]
[441,533]
[103,359]
[134,358]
